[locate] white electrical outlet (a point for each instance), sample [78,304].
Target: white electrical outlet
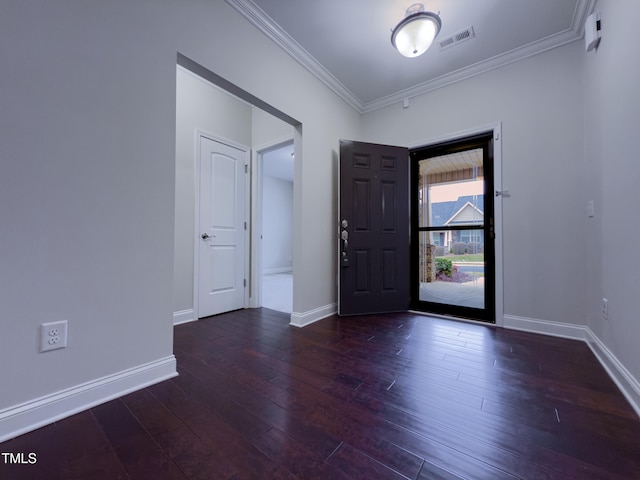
[53,335]
[605,309]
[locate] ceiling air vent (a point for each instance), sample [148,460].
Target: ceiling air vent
[456,38]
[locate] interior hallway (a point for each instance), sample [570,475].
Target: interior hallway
[277,292]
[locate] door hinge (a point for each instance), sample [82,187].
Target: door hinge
[246,168]
[245,225]
[244,282]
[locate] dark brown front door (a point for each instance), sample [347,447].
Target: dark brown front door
[374,228]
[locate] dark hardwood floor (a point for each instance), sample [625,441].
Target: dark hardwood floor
[378,397]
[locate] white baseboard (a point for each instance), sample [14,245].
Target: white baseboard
[311,316]
[626,382]
[271,271]
[37,413]
[546,327]
[183,316]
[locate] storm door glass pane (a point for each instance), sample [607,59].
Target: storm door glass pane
[451,251]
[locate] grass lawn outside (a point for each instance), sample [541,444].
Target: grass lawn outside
[467,257]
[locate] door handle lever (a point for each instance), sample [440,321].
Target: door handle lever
[206,236]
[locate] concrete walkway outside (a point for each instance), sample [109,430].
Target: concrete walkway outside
[468,294]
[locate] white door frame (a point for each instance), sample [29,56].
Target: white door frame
[496,128]
[196,234]
[255,298]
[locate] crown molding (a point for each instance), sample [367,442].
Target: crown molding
[498,61]
[580,14]
[573,33]
[256,16]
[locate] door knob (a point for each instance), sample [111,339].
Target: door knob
[206,235]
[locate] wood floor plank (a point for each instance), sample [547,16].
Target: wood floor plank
[457,437]
[305,407]
[237,451]
[197,459]
[302,463]
[75,448]
[430,471]
[317,419]
[137,451]
[358,430]
[377,397]
[359,466]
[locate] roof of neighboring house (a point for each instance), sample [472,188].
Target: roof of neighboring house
[468,214]
[442,212]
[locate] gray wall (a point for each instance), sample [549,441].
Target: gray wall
[88,176]
[277,231]
[265,129]
[612,175]
[539,102]
[87,114]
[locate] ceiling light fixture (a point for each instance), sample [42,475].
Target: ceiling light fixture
[416,31]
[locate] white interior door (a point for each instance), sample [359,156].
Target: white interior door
[221,252]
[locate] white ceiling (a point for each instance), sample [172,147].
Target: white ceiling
[347,43]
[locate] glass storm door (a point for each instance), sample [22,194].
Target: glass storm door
[452,244]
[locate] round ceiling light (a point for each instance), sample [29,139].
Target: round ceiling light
[416,31]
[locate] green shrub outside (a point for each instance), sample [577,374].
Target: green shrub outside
[444,265]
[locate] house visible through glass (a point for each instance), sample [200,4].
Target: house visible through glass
[451,204]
